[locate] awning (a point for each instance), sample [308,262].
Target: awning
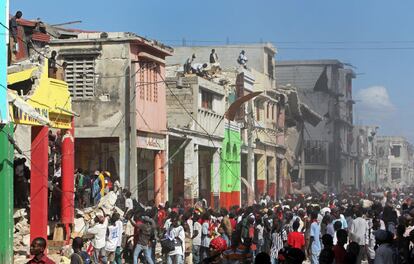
[26,110]
[20,76]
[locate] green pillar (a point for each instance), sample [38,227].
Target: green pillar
[6,194]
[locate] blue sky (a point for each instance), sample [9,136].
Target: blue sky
[375,36]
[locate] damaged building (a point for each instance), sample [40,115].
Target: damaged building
[326,87]
[395,161]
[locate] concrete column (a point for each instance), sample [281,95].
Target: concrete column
[215,179]
[68,169]
[271,185]
[166,170]
[158,177]
[39,182]
[6,194]
[261,175]
[191,185]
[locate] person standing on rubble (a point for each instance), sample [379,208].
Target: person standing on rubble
[99,240]
[242,59]
[213,57]
[188,63]
[96,188]
[13,27]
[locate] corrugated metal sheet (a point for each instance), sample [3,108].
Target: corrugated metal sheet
[42,37]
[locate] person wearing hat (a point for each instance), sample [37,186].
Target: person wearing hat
[99,240]
[217,246]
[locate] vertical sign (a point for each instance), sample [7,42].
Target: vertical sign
[4,15]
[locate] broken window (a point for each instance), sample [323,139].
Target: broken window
[396,151]
[395,173]
[80,76]
[206,100]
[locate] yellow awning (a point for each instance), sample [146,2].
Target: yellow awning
[16,77]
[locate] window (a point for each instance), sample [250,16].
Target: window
[396,151]
[148,81]
[80,76]
[206,100]
[395,173]
[273,113]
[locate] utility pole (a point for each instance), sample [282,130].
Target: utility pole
[250,155]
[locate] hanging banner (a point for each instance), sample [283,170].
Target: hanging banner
[4,109]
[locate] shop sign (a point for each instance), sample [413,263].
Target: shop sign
[20,117]
[151,142]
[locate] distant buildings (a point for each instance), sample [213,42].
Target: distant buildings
[395,162]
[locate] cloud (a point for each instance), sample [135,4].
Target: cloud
[375,99]
[374,107]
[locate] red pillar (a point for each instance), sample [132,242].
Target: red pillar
[68,169]
[159,178]
[39,182]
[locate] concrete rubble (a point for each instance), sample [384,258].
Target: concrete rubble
[83,219]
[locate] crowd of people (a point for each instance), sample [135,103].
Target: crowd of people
[375,227]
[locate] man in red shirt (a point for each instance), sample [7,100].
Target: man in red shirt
[37,249]
[339,249]
[296,239]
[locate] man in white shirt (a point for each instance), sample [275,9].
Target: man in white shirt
[99,240]
[120,226]
[196,238]
[198,68]
[176,232]
[129,205]
[357,231]
[205,236]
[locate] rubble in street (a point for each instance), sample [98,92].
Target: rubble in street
[83,219]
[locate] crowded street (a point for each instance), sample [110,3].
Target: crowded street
[226,132]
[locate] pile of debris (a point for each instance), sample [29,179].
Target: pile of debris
[58,248]
[21,232]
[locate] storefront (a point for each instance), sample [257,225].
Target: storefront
[151,149]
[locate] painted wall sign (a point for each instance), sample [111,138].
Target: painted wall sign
[149,141]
